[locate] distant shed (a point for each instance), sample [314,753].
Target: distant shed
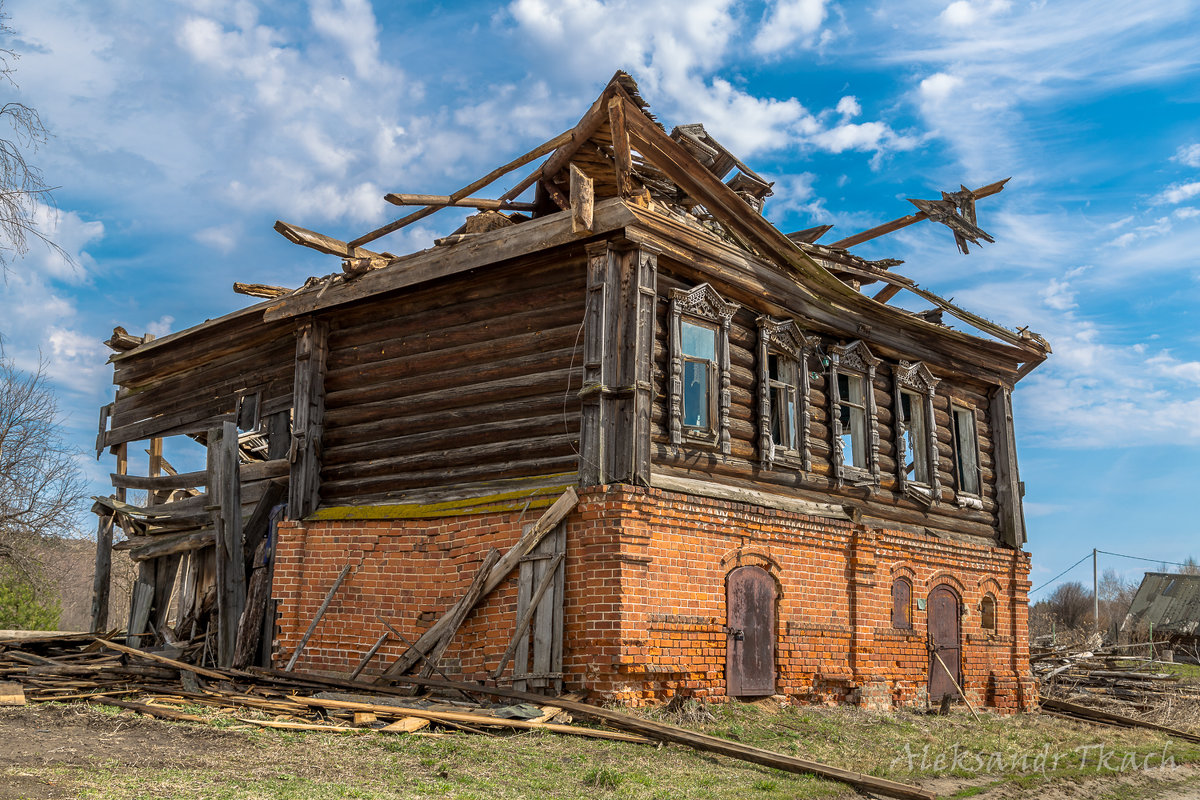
[1170,602]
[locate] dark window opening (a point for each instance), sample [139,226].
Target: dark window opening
[901,604]
[987,614]
[912,418]
[966,453]
[852,411]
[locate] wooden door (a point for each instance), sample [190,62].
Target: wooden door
[750,647]
[944,640]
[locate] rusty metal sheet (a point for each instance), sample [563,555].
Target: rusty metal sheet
[1169,601]
[945,619]
[750,596]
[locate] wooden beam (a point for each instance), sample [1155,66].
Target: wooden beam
[468,602]
[810,235]
[507,563]
[697,741]
[623,160]
[320,242]
[1010,508]
[260,289]
[170,662]
[583,201]
[887,293]
[224,489]
[312,626]
[101,581]
[308,420]
[443,200]
[527,617]
[904,222]
[491,177]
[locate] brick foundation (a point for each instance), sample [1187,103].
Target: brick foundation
[645,598]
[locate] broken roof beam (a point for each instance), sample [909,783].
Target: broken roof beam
[260,290]
[491,177]
[122,340]
[904,222]
[320,242]
[809,235]
[445,200]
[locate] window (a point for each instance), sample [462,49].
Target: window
[855,436]
[852,411]
[699,379]
[966,449]
[902,604]
[987,613]
[783,393]
[699,370]
[916,441]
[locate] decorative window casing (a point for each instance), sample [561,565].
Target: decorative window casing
[965,442]
[853,415]
[700,388]
[783,383]
[902,604]
[913,387]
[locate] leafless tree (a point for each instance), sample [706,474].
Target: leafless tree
[1069,605]
[23,188]
[41,486]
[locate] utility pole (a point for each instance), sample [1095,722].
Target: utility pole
[1095,590]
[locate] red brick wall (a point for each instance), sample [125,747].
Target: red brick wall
[645,598]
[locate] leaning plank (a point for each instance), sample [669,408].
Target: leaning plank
[320,242]
[702,742]
[133,651]
[507,563]
[527,617]
[903,222]
[468,602]
[467,202]
[312,626]
[1108,718]
[470,719]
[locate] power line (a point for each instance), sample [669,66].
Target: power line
[1108,553]
[1059,575]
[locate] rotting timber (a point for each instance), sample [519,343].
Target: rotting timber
[536,351]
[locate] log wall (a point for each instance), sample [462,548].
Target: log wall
[462,380]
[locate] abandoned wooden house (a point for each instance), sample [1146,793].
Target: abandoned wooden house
[624,435]
[1166,608]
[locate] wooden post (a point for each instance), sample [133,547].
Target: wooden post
[1010,509]
[224,488]
[308,404]
[103,576]
[623,160]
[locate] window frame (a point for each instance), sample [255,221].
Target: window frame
[956,446]
[983,614]
[908,611]
[703,306]
[915,380]
[854,359]
[786,342]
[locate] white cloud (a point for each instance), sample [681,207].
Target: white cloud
[161,326]
[222,238]
[938,87]
[1188,154]
[963,13]
[1177,193]
[1059,295]
[1186,212]
[849,106]
[789,23]
[75,360]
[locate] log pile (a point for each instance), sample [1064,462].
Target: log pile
[1111,685]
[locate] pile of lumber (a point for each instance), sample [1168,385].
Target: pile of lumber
[1113,686]
[97,669]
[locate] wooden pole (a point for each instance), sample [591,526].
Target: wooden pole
[950,675]
[904,222]
[320,613]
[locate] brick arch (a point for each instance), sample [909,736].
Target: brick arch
[987,585]
[752,557]
[950,579]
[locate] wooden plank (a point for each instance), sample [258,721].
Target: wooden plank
[475,186]
[308,420]
[255,471]
[250,624]
[623,161]
[11,694]
[257,524]
[151,547]
[139,610]
[485,248]
[1008,477]
[316,619]
[507,563]
[543,602]
[225,490]
[398,199]
[525,577]
[147,709]
[703,742]
[102,577]
[582,201]
[366,659]
[320,242]
[469,600]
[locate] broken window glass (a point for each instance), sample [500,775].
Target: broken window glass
[912,418]
[852,411]
[966,449]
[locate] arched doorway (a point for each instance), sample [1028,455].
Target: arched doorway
[945,656]
[750,596]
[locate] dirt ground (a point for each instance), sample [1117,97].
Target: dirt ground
[75,751]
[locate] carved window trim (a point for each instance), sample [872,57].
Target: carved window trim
[966,443]
[854,358]
[707,308]
[784,339]
[918,382]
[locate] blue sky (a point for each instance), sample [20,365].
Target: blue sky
[182,130]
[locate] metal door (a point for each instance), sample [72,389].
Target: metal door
[944,641]
[750,648]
